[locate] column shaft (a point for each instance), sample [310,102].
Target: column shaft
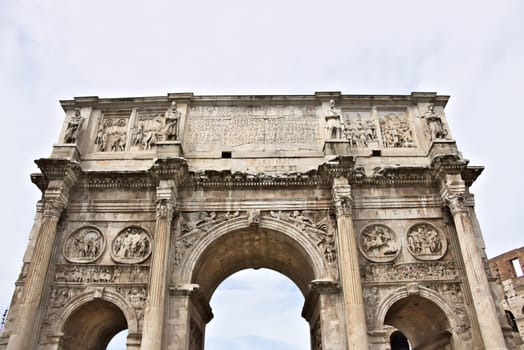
[483,302]
[25,332]
[349,270]
[155,307]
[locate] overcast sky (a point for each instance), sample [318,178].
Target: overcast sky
[471,50]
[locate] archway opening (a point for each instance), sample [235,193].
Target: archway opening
[421,321]
[92,326]
[254,247]
[257,309]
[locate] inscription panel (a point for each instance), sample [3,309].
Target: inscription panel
[244,127]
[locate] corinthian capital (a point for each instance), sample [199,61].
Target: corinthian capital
[53,207]
[164,208]
[456,203]
[342,199]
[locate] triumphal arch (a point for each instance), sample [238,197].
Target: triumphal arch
[149,203]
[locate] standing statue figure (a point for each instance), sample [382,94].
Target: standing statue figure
[434,122]
[73,127]
[172,116]
[334,123]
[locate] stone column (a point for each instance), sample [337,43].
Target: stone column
[349,270]
[483,302]
[156,302]
[25,332]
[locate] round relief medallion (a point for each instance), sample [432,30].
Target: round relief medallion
[84,245]
[425,242]
[379,243]
[131,245]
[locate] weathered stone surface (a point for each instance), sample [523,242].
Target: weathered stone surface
[149,203]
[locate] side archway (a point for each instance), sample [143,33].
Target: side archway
[424,317]
[91,319]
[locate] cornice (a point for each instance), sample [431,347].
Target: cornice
[394,176]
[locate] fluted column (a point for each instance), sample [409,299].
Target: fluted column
[156,302]
[349,270]
[490,328]
[27,317]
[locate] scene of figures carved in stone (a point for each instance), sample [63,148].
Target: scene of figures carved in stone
[132,245]
[425,242]
[85,245]
[396,131]
[112,132]
[379,243]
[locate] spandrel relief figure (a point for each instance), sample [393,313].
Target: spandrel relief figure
[396,131]
[334,123]
[170,132]
[73,127]
[379,243]
[131,245]
[436,130]
[425,242]
[84,246]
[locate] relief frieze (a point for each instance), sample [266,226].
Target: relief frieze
[409,272]
[69,273]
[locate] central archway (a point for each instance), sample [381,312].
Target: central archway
[271,244]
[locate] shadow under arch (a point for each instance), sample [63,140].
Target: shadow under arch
[235,245]
[427,319]
[90,320]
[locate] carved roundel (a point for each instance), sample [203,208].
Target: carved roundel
[425,242]
[132,245]
[379,243]
[84,245]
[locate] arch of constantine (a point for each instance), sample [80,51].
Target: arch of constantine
[149,203]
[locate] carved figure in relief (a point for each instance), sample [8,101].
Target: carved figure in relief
[424,242]
[360,133]
[378,241]
[73,127]
[396,131]
[85,245]
[334,123]
[436,131]
[111,135]
[371,301]
[131,245]
[172,116]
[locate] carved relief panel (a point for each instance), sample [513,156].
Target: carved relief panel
[148,130]
[379,243]
[131,246]
[396,131]
[84,245]
[425,242]
[361,129]
[112,132]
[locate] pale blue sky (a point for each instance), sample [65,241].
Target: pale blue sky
[471,50]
